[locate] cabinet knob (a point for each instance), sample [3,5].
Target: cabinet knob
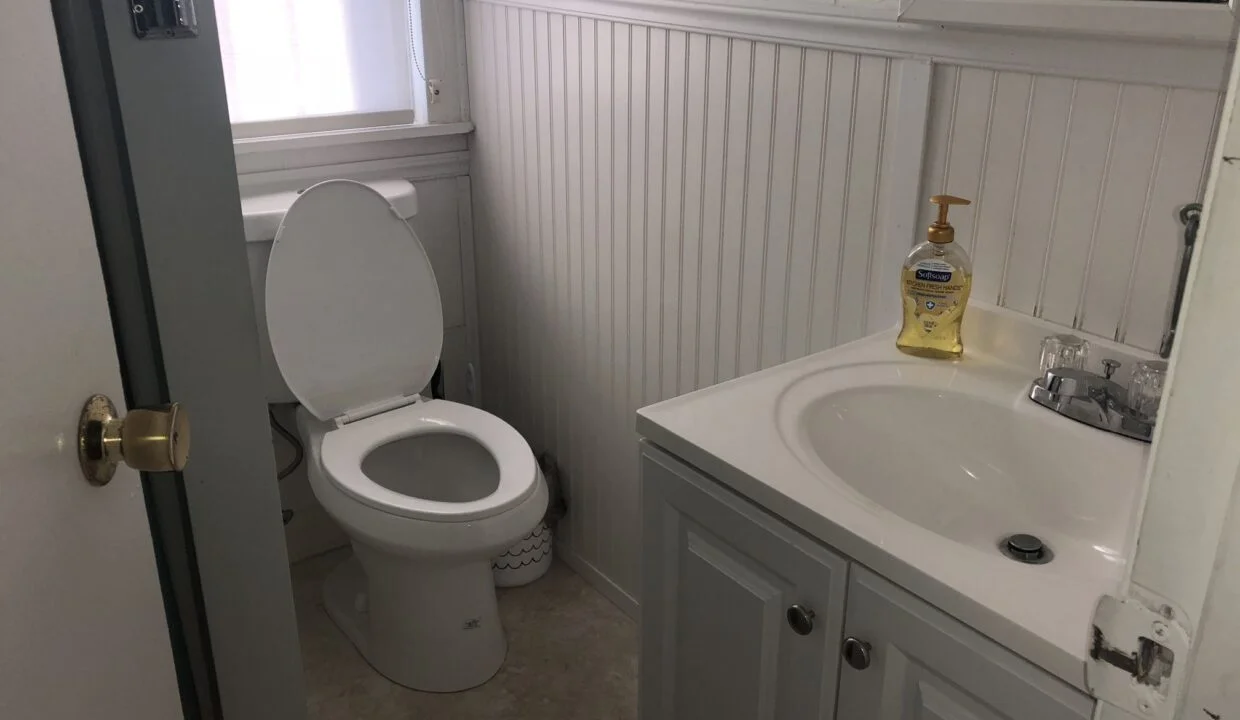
[801,619]
[857,653]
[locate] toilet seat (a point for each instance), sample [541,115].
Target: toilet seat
[353,309]
[345,448]
[356,326]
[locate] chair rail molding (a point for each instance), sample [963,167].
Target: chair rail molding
[857,26]
[1185,22]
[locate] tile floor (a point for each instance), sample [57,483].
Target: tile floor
[571,655]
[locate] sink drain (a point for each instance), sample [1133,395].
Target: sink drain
[1025,548]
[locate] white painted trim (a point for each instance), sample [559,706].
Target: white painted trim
[1194,66]
[317,124]
[1190,515]
[605,585]
[414,168]
[461,58]
[902,192]
[442,45]
[1144,19]
[469,282]
[334,138]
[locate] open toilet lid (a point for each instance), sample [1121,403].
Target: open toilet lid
[353,308]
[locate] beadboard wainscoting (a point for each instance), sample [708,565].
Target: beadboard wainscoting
[659,209]
[1076,186]
[658,212]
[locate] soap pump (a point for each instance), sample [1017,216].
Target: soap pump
[935,285]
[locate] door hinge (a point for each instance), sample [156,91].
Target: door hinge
[1138,656]
[376,408]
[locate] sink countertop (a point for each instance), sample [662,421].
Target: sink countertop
[732,432]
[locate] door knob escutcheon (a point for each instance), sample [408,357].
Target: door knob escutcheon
[149,440]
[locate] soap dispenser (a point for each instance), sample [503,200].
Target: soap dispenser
[935,284]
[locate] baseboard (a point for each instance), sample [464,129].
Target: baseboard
[608,588]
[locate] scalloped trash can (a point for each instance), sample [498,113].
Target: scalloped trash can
[526,561]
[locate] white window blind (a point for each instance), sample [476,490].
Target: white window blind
[310,65]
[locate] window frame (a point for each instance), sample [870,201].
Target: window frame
[439,26]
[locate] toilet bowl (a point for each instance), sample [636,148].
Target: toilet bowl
[428,491]
[428,494]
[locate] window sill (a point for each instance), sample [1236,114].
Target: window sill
[302,141]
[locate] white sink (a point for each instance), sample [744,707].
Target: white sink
[965,455]
[956,453]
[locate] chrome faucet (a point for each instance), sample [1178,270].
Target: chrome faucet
[1093,399]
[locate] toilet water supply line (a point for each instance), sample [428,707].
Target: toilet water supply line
[299,454]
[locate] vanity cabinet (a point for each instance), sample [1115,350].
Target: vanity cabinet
[923,664]
[744,617]
[741,615]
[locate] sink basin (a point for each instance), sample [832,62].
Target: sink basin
[967,457]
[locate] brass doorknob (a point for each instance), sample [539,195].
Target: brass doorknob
[150,440]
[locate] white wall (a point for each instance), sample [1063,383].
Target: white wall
[1075,186]
[658,210]
[642,232]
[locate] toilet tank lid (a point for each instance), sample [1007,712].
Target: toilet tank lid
[263,212]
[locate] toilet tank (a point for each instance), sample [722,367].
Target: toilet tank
[262,212]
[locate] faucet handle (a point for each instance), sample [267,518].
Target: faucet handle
[1063,351]
[1109,366]
[1146,389]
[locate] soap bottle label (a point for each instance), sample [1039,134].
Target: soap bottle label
[938,292]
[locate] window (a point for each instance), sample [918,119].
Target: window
[292,66]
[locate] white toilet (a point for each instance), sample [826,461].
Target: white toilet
[427,490]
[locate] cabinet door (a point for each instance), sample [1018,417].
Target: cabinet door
[924,665]
[718,579]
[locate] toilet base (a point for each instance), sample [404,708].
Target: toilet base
[435,626]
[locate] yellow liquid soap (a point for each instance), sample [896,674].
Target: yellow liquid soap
[934,332]
[935,286]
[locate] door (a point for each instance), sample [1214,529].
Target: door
[908,661]
[741,615]
[82,624]
[152,123]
